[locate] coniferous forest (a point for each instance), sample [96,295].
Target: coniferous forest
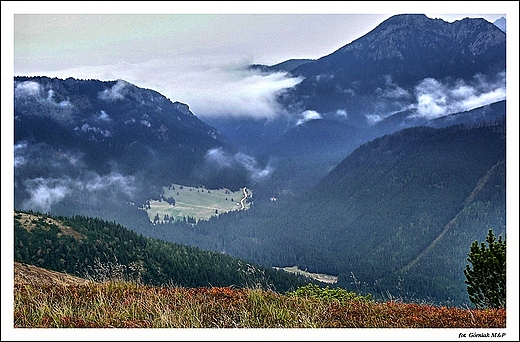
[397,216]
[101,250]
[379,165]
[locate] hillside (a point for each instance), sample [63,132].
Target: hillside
[109,146]
[31,274]
[418,190]
[100,250]
[42,299]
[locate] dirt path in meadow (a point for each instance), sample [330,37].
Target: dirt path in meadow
[243,200]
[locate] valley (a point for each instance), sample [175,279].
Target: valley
[386,160]
[192,204]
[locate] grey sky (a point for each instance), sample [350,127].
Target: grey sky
[57,41]
[194,51]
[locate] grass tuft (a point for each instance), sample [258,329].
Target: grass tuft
[123,304]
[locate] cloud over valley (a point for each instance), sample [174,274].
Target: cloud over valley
[211,86]
[46,177]
[220,159]
[436,99]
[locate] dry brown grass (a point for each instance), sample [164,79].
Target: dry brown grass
[126,305]
[30,274]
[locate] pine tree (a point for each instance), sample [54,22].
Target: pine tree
[486,280]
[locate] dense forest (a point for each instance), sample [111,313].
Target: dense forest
[98,249]
[395,218]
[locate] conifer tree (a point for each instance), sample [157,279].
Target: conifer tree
[486,279]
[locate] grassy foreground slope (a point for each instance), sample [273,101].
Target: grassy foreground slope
[120,304]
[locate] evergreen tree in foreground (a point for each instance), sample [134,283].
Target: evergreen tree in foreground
[486,280]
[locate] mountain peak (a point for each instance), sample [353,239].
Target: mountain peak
[406,17]
[379,72]
[500,23]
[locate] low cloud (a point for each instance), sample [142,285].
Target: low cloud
[86,128]
[103,116]
[251,165]
[114,180]
[27,88]
[220,159]
[323,77]
[392,90]
[307,116]
[19,158]
[435,99]
[116,92]
[212,86]
[44,193]
[215,88]
[342,113]
[373,118]
[45,177]
[34,91]
[432,98]
[44,158]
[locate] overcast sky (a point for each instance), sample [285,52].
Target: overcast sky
[194,52]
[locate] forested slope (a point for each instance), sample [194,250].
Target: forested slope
[380,209]
[98,249]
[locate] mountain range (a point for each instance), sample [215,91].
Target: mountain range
[387,162]
[387,70]
[407,71]
[87,146]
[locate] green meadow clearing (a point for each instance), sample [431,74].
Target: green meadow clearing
[179,202]
[324,278]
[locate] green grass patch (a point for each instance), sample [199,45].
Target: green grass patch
[324,278]
[179,202]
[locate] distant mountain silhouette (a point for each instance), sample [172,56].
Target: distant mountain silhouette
[287,66]
[500,23]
